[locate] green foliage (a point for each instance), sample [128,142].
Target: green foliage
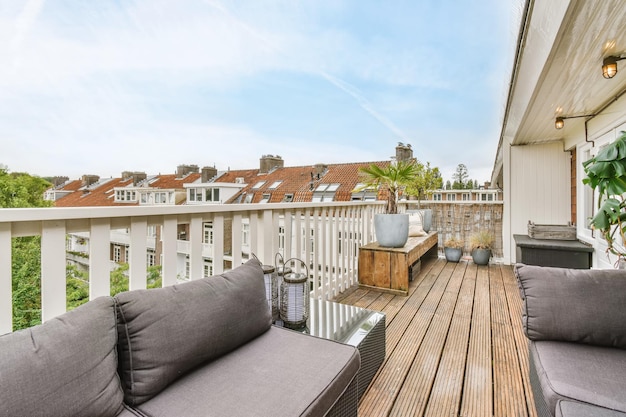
[426,180]
[120,282]
[606,172]
[392,177]
[460,178]
[26,283]
[77,286]
[22,190]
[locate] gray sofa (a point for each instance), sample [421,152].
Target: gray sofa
[575,321]
[203,348]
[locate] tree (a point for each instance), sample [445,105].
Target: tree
[19,190]
[459,177]
[448,185]
[427,179]
[392,177]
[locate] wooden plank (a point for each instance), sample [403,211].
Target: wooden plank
[366,267]
[415,392]
[398,272]
[508,391]
[477,389]
[367,299]
[514,301]
[386,385]
[445,397]
[380,277]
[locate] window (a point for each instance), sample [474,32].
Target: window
[117,253]
[123,196]
[212,194]
[325,192]
[245,233]
[437,197]
[288,198]
[274,185]
[208,269]
[150,261]
[208,233]
[187,267]
[587,195]
[160,198]
[465,196]
[195,194]
[249,198]
[281,237]
[144,198]
[451,197]
[126,254]
[266,198]
[258,185]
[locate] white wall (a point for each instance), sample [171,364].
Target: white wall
[539,185]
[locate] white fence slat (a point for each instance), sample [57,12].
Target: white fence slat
[99,258]
[53,273]
[138,253]
[169,247]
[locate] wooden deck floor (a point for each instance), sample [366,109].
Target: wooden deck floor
[455,345]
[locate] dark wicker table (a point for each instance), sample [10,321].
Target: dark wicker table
[355,326]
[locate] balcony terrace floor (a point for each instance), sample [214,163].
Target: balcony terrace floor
[454,346]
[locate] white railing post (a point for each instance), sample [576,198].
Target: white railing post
[196,232]
[218,244]
[237,231]
[53,274]
[137,273]
[169,253]
[99,255]
[6,292]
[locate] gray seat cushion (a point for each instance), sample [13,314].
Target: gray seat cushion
[576,305]
[280,373]
[166,332]
[64,367]
[573,409]
[594,375]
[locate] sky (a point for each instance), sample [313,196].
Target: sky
[101,87]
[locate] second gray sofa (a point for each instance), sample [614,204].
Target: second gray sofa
[575,321]
[203,348]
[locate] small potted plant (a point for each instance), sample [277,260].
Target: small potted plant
[480,245]
[606,172]
[392,228]
[453,249]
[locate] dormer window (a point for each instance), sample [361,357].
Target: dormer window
[288,198]
[258,185]
[125,196]
[266,198]
[274,185]
[363,193]
[325,192]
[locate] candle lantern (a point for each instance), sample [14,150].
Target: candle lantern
[295,298]
[268,277]
[280,270]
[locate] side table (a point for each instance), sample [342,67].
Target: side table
[354,326]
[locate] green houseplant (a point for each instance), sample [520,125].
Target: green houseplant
[481,244]
[606,173]
[453,249]
[392,229]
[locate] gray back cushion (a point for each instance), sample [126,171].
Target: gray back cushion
[168,331]
[574,305]
[64,367]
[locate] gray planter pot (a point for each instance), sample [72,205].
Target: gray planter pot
[427,219]
[481,256]
[453,254]
[392,230]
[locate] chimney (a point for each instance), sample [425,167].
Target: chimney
[89,179]
[135,175]
[270,162]
[183,170]
[320,170]
[208,173]
[404,152]
[487,185]
[56,181]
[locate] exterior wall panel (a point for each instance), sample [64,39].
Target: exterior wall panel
[540,187]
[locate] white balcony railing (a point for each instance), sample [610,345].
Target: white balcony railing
[324,235]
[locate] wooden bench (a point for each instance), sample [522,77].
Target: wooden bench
[390,269]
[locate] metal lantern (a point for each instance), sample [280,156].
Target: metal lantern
[280,270]
[270,290]
[295,298]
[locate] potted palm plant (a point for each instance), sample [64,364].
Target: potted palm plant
[392,228]
[606,172]
[453,249]
[480,245]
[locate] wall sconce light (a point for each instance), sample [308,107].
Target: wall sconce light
[609,66]
[559,123]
